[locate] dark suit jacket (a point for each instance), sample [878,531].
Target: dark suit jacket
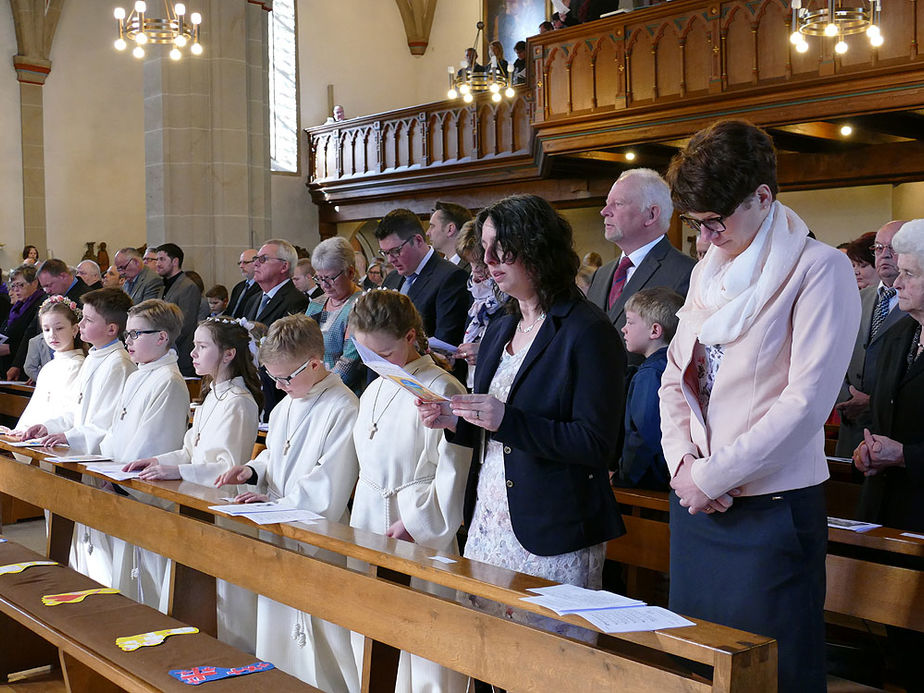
[146,285]
[560,428]
[441,295]
[235,294]
[895,497]
[643,464]
[287,301]
[863,369]
[664,265]
[185,294]
[94,286]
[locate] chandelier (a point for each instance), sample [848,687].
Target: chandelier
[836,20]
[473,79]
[173,29]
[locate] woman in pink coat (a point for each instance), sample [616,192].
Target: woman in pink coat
[763,343]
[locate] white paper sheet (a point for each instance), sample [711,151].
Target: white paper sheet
[250,508]
[634,619]
[83,459]
[569,599]
[398,375]
[443,559]
[851,525]
[440,345]
[305,516]
[913,535]
[112,470]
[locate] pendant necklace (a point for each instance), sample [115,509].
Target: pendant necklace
[218,398]
[289,436]
[91,374]
[374,428]
[134,392]
[527,330]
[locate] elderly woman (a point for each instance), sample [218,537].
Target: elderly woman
[763,342]
[545,421]
[20,325]
[335,272]
[861,257]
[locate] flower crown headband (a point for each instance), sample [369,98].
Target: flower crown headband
[65,301]
[242,322]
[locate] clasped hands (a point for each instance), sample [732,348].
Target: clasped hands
[877,453]
[690,495]
[485,411]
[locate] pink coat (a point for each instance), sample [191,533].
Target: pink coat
[775,387]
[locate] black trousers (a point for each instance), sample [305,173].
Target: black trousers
[759,567]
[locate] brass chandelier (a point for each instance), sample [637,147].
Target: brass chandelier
[171,29]
[467,81]
[836,20]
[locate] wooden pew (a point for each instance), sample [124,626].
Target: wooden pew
[14,398]
[392,615]
[81,637]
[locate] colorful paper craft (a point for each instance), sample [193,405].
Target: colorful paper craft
[19,567]
[2,540]
[199,675]
[130,643]
[74,597]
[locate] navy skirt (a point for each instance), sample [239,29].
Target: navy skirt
[759,567]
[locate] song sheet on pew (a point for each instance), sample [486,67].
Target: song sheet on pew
[609,612]
[268,513]
[851,525]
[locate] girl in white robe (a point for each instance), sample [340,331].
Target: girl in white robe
[411,479]
[222,435]
[310,463]
[56,386]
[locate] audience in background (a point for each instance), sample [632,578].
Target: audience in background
[519,65]
[20,325]
[303,278]
[140,281]
[112,279]
[592,259]
[90,274]
[498,63]
[863,260]
[585,277]
[245,289]
[204,309]
[30,255]
[217,298]
[150,258]
[375,275]
[445,222]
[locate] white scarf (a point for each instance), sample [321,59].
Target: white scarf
[730,293]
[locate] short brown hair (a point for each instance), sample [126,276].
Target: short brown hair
[721,167]
[859,250]
[55,268]
[292,337]
[160,315]
[453,213]
[388,311]
[219,291]
[112,304]
[467,242]
[657,305]
[401,222]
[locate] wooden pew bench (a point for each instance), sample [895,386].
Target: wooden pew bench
[393,616]
[81,637]
[13,401]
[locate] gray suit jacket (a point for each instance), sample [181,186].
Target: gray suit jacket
[664,265]
[146,285]
[862,370]
[185,294]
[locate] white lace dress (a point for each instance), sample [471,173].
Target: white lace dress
[491,538]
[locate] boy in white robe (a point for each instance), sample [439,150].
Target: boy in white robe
[309,462]
[99,388]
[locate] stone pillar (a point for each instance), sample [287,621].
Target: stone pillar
[31,107]
[207,141]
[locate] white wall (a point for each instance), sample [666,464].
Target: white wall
[11,234]
[842,214]
[908,201]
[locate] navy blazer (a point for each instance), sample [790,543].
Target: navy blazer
[643,464]
[560,429]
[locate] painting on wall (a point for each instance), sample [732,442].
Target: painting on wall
[509,21]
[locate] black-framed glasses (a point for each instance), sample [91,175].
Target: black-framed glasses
[392,253]
[134,334]
[262,259]
[318,279]
[879,248]
[287,379]
[245,262]
[714,225]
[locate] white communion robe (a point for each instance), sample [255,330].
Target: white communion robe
[222,435]
[56,389]
[411,473]
[99,388]
[310,462]
[150,420]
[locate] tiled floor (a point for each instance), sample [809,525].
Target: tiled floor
[29,533]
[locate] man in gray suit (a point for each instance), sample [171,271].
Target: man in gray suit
[182,291]
[140,282]
[636,218]
[879,312]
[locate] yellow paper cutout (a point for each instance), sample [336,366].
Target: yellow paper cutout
[19,567]
[74,597]
[130,643]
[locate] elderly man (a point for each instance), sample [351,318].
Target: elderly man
[89,273]
[182,292]
[57,279]
[150,258]
[141,282]
[436,286]
[880,311]
[245,289]
[636,218]
[274,266]
[445,222]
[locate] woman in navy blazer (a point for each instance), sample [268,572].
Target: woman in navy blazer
[545,420]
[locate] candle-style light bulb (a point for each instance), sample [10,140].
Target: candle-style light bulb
[119,13]
[180,9]
[141,6]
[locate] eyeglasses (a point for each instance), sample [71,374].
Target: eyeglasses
[318,279]
[879,249]
[121,268]
[287,379]
[17,285]
[134,334]
[245,262]
[392,253]
[261,259]
[715,225]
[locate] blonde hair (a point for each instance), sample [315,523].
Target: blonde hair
[160,315]
[388,311]
[657,305]
[292,337]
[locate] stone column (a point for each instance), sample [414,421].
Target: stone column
[207,141]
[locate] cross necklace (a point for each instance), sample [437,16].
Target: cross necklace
[218,398]
[374,428]
[290,435]
[135,391]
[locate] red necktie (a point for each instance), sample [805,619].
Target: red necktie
[619,281]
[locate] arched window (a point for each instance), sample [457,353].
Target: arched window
[283,90]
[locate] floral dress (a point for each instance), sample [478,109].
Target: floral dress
[491,538]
